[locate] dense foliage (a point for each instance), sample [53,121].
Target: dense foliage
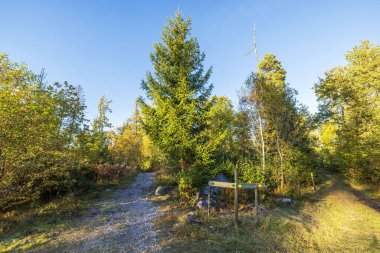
[48,148]
[279,127]
[350,114]
[131,145]
[268,139]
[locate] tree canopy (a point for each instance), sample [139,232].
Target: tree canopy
[350,103]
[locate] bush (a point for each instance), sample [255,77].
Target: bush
[191,180]
[109,173]
[249,172]
[43,177]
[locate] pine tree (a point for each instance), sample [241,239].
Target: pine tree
[178,91]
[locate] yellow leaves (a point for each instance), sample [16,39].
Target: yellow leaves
[328,133]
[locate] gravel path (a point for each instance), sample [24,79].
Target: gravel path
[121,223]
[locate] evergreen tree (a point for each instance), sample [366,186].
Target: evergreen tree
[178,91]
[100,139]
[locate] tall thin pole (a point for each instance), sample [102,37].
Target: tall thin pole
[236,203]
[256,205]
[254,50]
[209,202]
[312,179]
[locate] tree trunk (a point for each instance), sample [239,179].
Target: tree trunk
[262,142]
[281,162]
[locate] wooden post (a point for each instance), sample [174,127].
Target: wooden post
[236,203]
[209,202]
[312,179]
[256,206]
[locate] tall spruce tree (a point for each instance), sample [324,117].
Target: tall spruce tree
[178,91]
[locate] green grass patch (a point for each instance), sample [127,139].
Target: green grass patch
[332,220]
[370,191]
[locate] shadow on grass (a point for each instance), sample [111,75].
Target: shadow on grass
[362,197]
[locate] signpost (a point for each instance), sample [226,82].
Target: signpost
[236,186]
[312,179]
[236,203]
[233,185]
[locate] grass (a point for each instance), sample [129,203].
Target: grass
[25,229]
[370,191]
[335,219]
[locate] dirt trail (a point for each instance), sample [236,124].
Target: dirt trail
[121,223]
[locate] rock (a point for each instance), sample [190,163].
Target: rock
[202,204]
[221,178]
[176,225]
[286,201]
[192,219]
[94,211]
[159,191]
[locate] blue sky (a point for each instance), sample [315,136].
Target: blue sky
[104,45]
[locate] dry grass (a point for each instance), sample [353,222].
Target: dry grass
[25,229]
[335,220]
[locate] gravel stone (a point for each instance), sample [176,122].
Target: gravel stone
[126,226]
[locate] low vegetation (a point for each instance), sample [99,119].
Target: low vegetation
[54,161]
[26,228]
[333,219]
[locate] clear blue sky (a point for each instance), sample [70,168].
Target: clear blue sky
[104,45]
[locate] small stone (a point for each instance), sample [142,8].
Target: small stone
[94,211]
[190,218]
[221,178]
[160,191]
[286,201]
[202,204]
